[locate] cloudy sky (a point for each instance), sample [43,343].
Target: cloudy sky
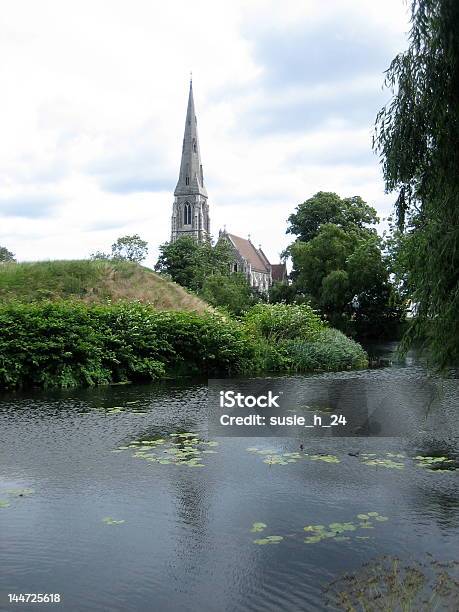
[93,108]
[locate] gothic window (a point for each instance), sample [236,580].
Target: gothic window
[194,145]
[187,214]
[235,267]
[187,180]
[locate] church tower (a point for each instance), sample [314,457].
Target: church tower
[190,213]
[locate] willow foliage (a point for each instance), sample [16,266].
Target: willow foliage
[417,137]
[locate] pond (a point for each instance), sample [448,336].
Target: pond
[119,499]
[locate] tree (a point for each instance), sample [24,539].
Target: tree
[231,292]
[341,267]
[6,256]
[417,136]
[189,262]
[349,214]
[283,292]
[130,248]
[100,255]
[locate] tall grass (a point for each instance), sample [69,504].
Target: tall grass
[93,281]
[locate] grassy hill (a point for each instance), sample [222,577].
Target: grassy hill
[93,282]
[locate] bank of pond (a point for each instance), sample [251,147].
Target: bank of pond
[70,344]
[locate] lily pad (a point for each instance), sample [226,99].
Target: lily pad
[19,492]
[257,527]
[326,458]
[274,538]
[312,539]
[108,520]
[314,528]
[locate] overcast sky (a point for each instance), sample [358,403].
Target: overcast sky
[93,109]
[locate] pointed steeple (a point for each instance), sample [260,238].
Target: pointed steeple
[191,178]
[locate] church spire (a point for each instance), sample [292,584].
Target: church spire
[190,211]
[191,177]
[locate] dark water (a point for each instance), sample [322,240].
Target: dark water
[186,543]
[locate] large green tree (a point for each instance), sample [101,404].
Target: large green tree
[230,292]
[417,137]
[339,265]
[131,248]
[128,248]
[189,262]
[350,214]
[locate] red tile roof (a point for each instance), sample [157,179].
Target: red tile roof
[279,272]
[249,253]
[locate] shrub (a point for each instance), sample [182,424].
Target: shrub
[331,351]
[277,322]
[66,344]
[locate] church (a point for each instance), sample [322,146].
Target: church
[190,213]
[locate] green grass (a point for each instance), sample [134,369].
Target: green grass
[93,281]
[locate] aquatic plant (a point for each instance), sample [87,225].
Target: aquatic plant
[390,584]
[108,520]
[273,539]
[6,503]
[326,458]
[257,527]
[177,449]
[338,532]
[386,462]
[436,464]
[271,457]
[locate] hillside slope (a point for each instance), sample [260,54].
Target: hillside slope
[93,281]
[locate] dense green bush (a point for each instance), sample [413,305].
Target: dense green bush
[277,322]
[64,344]
[293,338]
[331,351]
[68,344]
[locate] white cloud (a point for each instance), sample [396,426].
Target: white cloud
[93,108]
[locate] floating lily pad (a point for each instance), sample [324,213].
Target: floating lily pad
[108,520]
[4,503]
[387,463]
[177,449]
[314,528]
[312,539]
[326,458]
[436,464]
[256,527]
[274,538]
[19,492]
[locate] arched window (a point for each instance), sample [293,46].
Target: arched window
[187,180]
[187,214]
[194,145]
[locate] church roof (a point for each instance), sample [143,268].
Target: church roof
[256,258]
[191,178]
[279,272]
